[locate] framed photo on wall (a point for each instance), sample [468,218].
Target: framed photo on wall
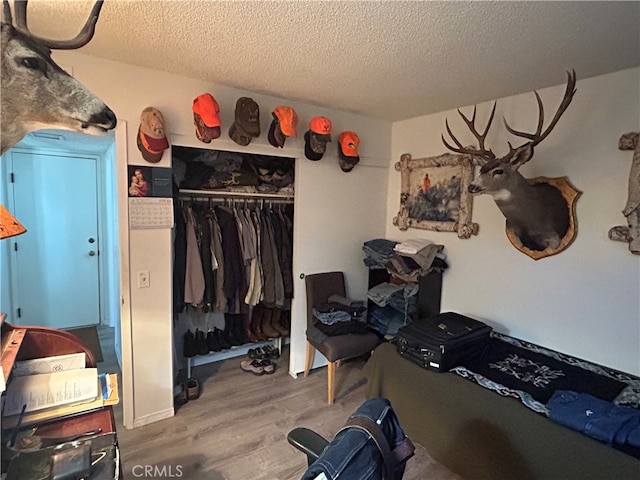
[435,194]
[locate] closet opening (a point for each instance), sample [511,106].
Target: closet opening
[233,250]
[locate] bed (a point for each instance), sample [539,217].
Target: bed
[480,434]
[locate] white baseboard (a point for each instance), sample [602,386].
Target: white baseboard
[154,417]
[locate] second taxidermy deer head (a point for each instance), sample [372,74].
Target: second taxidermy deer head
[36,93]
[537,213]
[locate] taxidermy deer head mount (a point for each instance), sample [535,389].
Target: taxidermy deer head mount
[36,93]
[538,211]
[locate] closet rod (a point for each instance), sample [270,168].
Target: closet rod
[225,199]
[224,193]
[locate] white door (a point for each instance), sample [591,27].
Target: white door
[55,283]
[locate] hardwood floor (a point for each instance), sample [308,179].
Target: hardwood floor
[237,429]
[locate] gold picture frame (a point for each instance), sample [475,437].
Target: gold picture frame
[435,194]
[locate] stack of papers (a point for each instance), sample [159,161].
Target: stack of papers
[52,387]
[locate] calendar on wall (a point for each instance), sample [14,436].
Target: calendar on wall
[150,213]
[149,206]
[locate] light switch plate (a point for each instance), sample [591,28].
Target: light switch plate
[143,279]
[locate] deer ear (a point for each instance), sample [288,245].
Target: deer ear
[523,155]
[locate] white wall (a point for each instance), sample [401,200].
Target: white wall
[335,212]
[584,301]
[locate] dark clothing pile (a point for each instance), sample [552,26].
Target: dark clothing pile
[340,316]
[216,170]
[378,252]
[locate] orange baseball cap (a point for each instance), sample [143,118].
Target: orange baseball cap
[206,117]
[349,143]
[321,126]
[288,120]
[208,109]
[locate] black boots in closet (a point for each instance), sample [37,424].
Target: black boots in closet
[239,329]
[215,340]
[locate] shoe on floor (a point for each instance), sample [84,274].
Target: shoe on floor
[180,396]
[193,389]
[252,366]
[255,353]
[268,366]
[271,352]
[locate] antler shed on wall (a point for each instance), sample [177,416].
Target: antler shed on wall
[631,232]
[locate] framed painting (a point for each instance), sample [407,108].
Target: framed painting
[435,194]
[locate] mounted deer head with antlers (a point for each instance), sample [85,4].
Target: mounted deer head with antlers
[36,93]
[538,212]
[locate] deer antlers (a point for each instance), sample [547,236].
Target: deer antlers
[482,151]
[535,138]
[85,35]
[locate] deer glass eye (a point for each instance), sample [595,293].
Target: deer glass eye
[34,63]
[497,171]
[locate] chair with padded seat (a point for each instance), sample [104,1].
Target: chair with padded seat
[319,287]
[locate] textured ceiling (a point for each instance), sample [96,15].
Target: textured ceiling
[390,59]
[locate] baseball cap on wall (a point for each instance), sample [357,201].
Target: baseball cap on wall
[288,120]
[322,127]
[206,117]
[248,116]
[275,135]
[152,140]
[247,121]
[348,143]
[317,137]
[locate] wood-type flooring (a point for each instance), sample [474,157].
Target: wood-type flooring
[237,429]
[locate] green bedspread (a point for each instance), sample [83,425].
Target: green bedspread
[479,434]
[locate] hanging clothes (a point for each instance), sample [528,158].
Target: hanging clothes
[194,275]
[236,258]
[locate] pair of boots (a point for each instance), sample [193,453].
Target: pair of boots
[216,339]
[265,323]
[194,344]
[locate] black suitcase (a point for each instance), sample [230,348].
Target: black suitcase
[443,341]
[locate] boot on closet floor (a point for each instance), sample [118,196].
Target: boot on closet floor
[189,345]
[238,329]
[212,342]
[201,343]
[257,316]
[285,319]
[222,339]
[276,324]
[246,326]
[229,331]
[267,327]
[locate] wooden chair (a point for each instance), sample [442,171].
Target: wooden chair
[319,287]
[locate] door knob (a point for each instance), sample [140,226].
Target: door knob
[91,239]
[92,253]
